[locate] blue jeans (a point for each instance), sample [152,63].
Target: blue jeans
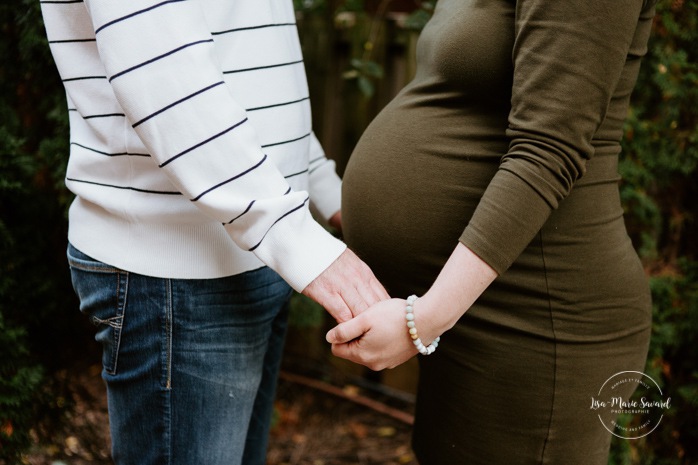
[190,365]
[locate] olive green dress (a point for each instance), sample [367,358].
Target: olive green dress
[508,140]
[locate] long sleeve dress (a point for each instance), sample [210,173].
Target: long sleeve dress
[508,140]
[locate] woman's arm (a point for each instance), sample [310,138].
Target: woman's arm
[568,57]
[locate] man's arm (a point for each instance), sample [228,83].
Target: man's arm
[163,67]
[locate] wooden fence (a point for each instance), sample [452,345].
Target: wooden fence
[340,114]
[340,110]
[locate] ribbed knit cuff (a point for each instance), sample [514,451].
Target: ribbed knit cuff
[299,249]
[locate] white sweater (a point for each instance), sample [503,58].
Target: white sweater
[191,151]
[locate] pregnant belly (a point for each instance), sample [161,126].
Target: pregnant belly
[406,203]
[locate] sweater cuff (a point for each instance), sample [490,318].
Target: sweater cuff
[299,249]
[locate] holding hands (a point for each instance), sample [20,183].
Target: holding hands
[346,288]
[378,337]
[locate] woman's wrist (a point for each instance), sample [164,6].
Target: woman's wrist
[423,347]
[464,277]
[432,318]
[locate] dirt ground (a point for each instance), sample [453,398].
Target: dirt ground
[316,423]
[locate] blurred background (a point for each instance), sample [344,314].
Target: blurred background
[358,54]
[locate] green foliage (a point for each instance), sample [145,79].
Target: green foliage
[366,32]
[660,181]
[364,71]
[309,5]
[419,17]
[36,302]
[362,31]
[671,362]
[20,381]
[661,154]
[305,313]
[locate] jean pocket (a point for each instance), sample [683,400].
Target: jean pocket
[101,290]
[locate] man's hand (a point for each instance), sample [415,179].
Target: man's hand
[346,288]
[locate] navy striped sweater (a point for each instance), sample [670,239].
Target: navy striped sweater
[192,153]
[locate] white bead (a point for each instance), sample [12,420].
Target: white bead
[412,329]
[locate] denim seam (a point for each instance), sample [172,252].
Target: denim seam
[167,418]
[95,268]
[121,293]
[168,337]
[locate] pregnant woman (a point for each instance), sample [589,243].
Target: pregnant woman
[489,187]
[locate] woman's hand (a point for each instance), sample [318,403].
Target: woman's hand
[378,337]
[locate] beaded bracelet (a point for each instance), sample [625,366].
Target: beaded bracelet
[412,328]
